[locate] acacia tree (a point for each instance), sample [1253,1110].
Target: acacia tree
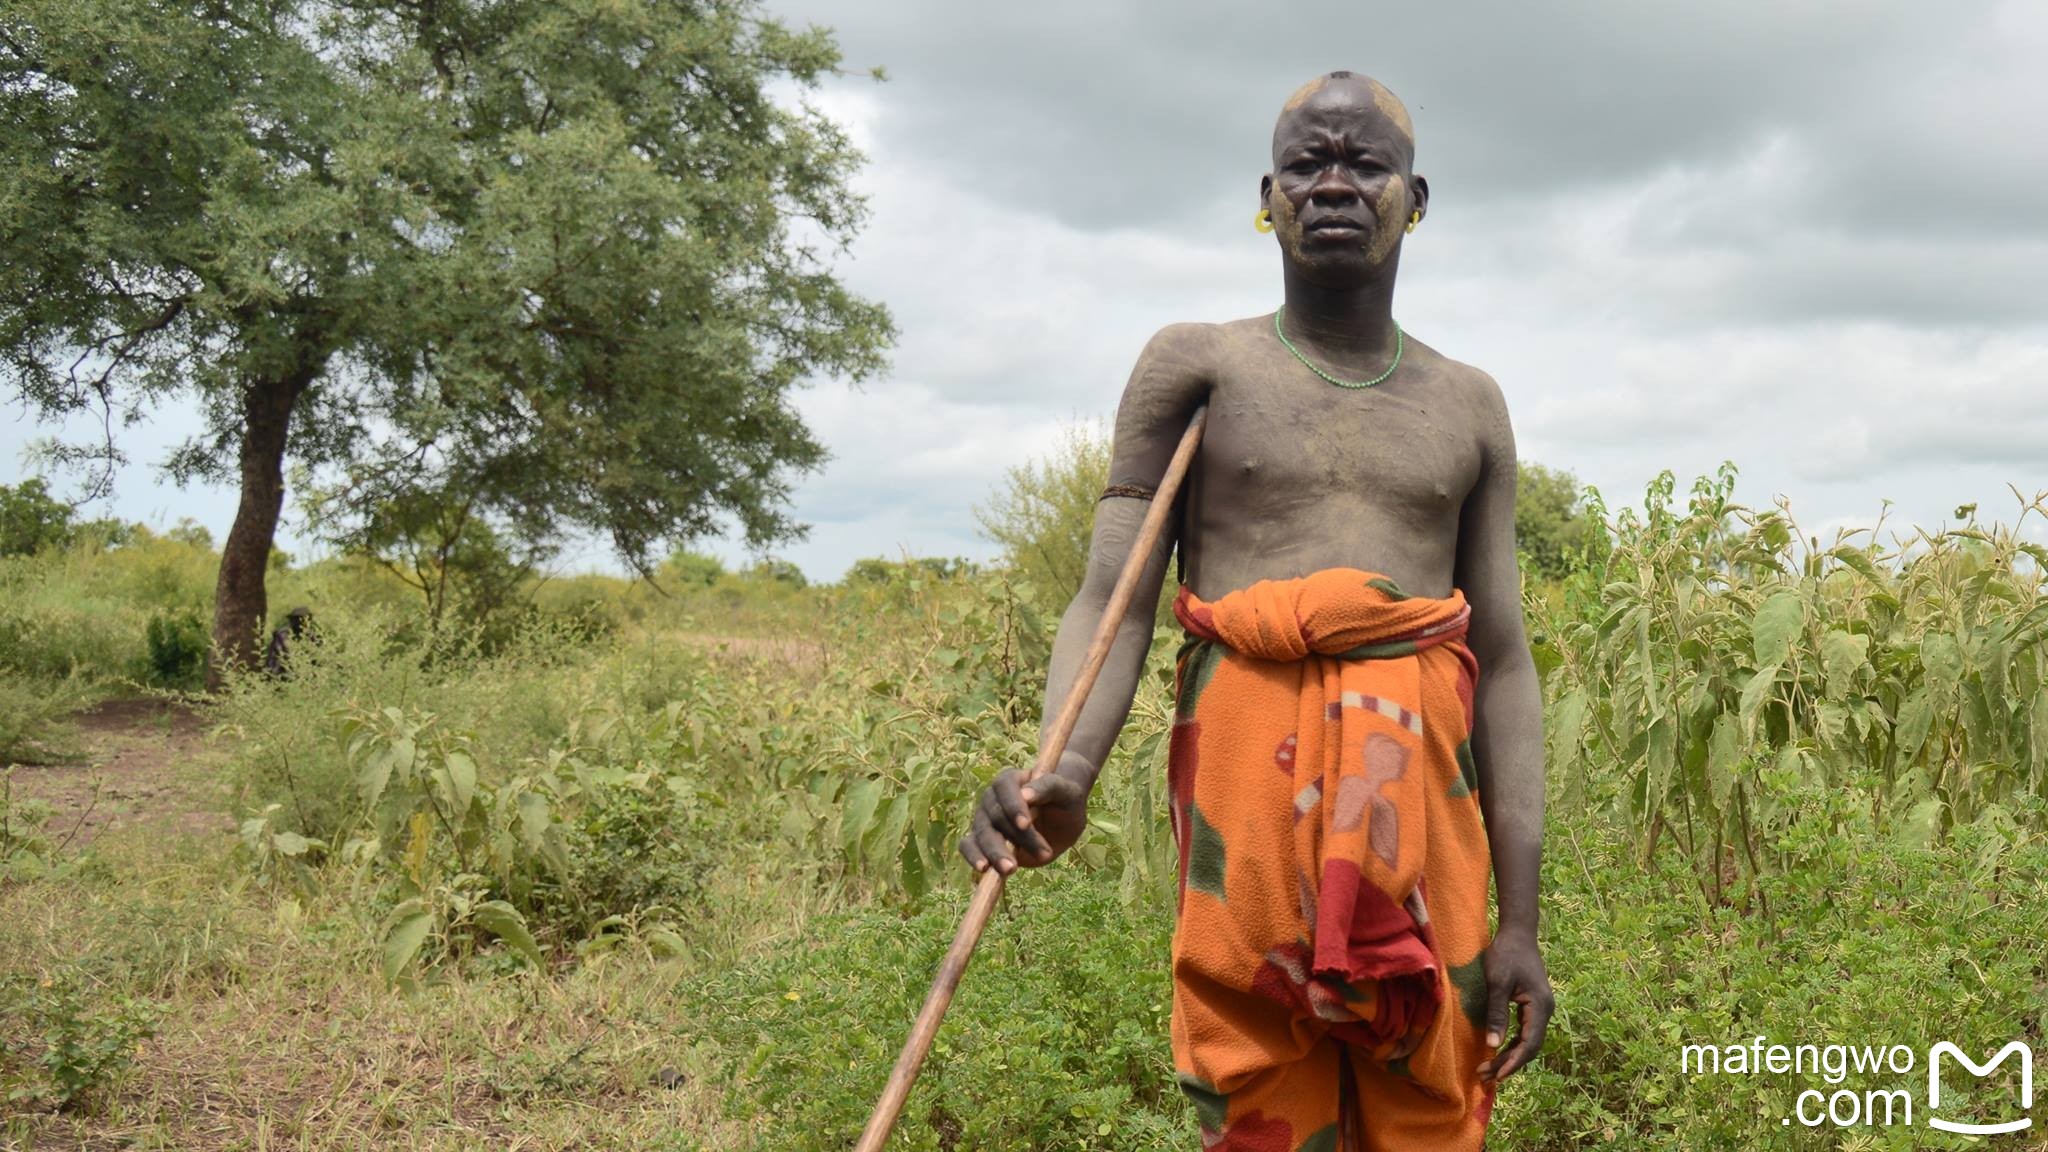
[567,256]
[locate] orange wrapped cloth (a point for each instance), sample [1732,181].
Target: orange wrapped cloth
[1329,992]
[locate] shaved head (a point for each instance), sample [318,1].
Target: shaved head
[1342,91]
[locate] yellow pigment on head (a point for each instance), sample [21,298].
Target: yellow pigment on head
[1302,94]
[1391,107]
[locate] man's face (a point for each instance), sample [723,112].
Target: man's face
[1341,189]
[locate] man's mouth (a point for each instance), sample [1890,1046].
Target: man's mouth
[1339,225]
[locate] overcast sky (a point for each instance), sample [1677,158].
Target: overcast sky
[1809,238]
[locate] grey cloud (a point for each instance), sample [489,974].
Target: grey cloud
[1112,113]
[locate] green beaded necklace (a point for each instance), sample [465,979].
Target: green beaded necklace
[1400,345]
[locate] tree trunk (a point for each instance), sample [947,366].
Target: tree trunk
[241,606]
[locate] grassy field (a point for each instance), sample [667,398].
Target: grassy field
[645,872]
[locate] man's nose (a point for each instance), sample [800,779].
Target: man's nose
[1333,185]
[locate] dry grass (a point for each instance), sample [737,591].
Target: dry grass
[275,1032]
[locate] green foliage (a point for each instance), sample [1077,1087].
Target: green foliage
[687,569]
[1706,669]
[879,572]
[885,787]
[1553,531]
[774,569]
[439,542]
[192,533]
[24,845]
[61,1038]
[30,519]
[82,612]
[446,849]
[1056,1040]
[177,649]
[1044,513]
[291,739]
[1867,935]
[32,719]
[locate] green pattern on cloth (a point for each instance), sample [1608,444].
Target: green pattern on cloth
[1470,981]
[1199,660]
[1468,770]
[1387,586]
[1205,854]
[1380,651]
[1324,1140]
[1211,1106]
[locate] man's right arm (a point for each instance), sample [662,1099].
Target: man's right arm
[1032,824]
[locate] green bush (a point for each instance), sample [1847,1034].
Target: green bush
[289,742]
[1712,662]
[1044,514]
[178,643]
[1867,940]
[687,569]
[1057,1039]
[24,831]
[32,717]
[775,570]
[63,1038]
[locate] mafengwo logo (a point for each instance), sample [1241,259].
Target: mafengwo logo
[1879,1099]
[1934,1064]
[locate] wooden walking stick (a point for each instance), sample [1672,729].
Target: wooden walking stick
[883,1119]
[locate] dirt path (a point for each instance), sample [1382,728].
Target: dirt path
[146,763]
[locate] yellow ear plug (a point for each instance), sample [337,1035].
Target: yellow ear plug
[1262,220]
[1414,218]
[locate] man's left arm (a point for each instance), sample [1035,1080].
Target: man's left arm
[1507,740]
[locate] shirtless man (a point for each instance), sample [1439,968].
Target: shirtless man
[1336,446]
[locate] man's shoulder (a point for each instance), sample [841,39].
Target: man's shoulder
[1475,396]
[1467,382]
[1192,342]
[1179,361]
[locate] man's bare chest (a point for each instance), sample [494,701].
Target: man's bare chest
[1410,450]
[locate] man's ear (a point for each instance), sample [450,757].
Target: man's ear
[1418,189]
[1265,189]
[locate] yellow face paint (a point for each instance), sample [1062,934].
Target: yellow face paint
[1286,227]
[1391,212]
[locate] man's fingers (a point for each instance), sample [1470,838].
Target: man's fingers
[1496,1012]
[999,818]
[996,850]
[1510,1059]
[1535,1022]
[1003,833]
[1010,795]
[1011,813]
[1533,1019]
[971,851]
[1497,992]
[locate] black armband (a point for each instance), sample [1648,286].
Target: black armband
[1134,491]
